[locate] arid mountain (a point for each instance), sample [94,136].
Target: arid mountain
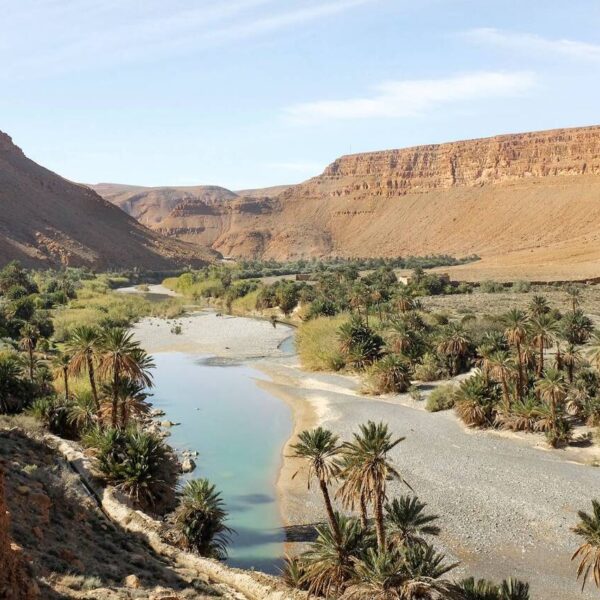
[528,204]
[49,221]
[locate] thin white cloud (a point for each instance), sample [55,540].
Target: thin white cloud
[68,40]
[409,98]
[531,43]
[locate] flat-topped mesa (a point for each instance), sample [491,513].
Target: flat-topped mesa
[499,159]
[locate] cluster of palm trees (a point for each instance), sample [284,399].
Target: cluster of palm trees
[538,390]
[385,553]
[118,370]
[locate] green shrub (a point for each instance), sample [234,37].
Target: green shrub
[491,287]
[441,398]
[521,287]
[431,368]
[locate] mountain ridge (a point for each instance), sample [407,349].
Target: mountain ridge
[47,220]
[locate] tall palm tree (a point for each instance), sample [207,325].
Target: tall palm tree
[406,523]
[84,346]
[131,401]
[454,343]
[320,447]
[588,553]
[553,390]
[571,357]
[27,343]
[594,348]
[574,296]
[368,469]
[61,369]
[516,323]
[501,370]
[491,342]
[121,356]
[544,329]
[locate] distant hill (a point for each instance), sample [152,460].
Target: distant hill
[528,204]
[48,221]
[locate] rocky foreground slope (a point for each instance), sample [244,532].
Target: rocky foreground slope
[528,204]
[46,220]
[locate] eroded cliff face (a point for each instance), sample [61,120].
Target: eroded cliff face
[496,160]
[528,193]
[14,583]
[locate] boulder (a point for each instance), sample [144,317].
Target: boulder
[188,465]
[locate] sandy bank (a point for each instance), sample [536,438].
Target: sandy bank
[205,333]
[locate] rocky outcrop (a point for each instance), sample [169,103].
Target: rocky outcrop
[49,221]
[490,161]
[14,582]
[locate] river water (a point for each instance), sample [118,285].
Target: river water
[239,431]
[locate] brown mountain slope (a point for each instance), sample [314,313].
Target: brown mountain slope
[528,204]
[47,220]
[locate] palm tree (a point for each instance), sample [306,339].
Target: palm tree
[470,589]
[454,343]
[538,306]
[517,328]
[574,295]
[412,574]
[131,399]
[61,369]
[571,357]
[320,447]
[329,563]
[404,300]
[406,523]
[513,589]
[121,356]
[83,344]
[594,348]
[492,341]
[368,469]
[28,342]
[588,553]
[553,390]
[544,329]
[501,369]
[200,518]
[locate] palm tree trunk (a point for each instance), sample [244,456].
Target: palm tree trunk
[521,386]
[570,371]
[66,380]
[92,376]
[30,350]
[379,527]
[364,515]
[505,394]
[335,527]
[115,397]
[559,363]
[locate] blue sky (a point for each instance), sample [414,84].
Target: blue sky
[250,93]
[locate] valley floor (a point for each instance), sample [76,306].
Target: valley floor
[506,503]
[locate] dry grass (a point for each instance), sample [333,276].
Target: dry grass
[318,345]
